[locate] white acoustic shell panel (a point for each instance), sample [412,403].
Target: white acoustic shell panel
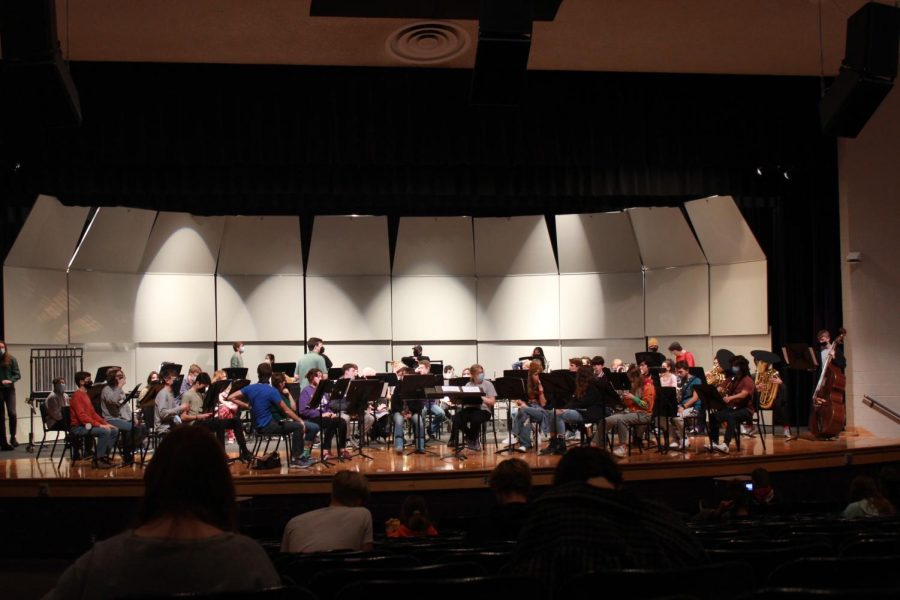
[433,308]
[664,238]
[35,306]
[597,243]
[175,308]
[49,235]
[149,357]
[435,246]
[98,355]
[513,246]
[598,306]
[518,308]
[362,355]
[738,299]
[349,308]
[259,307]
[677,301]
[349,246]
[116,240]
[261,246]
[722,231]
[102,306]
[183,244]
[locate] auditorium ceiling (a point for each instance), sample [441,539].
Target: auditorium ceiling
[776,37]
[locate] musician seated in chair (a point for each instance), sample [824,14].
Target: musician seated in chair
[438,416]
[532,412]
[193,398]
[330,423]
[56,400]
[351,371]
[689,405]
[117,413]
[639,402]
[469,419]
[587,398]
[739,404]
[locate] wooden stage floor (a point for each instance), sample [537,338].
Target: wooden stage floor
[22,475]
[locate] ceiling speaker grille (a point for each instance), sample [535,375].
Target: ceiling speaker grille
[428,42]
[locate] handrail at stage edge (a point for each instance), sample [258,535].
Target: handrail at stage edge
[873,403]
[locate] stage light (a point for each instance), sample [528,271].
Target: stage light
[759,171]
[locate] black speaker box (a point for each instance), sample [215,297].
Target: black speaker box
[850,102]
[501,58]
[872,40]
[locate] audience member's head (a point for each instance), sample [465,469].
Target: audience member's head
[511,481]
[264,372]
[587,465]
[760,478]
[189,478]
[349,488]
[414,514]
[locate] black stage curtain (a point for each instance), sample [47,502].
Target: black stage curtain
[227,139]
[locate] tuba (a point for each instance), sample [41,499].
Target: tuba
[764,372]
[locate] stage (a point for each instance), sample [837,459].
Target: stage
[23,476]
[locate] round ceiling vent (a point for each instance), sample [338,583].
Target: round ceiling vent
[427,43]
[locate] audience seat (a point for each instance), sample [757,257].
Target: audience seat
[327,584]
[302,569]
[816,594]
[492,586]
[764,560]
[838,573]
[704,582]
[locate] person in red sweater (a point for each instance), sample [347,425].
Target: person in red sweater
[85,421]
[413,521]
[682,354]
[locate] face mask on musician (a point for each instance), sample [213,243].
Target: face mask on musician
[736,370]
[59,388]
[481,377]
[88,383]
[2,351]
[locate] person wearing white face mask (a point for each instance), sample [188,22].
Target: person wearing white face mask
[237,359]
[470,418]
[9,375]
[188,380]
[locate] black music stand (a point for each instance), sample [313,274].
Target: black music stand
[653,359]
[335,373]
[460,396]
[410,391]
[326,386]
[231,372]
[510,388]
[129,400]
[665,407]
[170,367]
[517,373]
[359,393]
[799,357]
[101,373]
[287,368]
[710,399]
[459,381]
[559,388]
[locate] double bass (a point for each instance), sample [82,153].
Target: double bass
[828,414]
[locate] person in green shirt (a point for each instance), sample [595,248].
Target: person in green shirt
[311,360]
[237,359]
[9,375]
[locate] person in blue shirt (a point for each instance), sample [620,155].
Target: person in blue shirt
[266,405]
[689,404]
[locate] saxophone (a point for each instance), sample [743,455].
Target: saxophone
[768,389]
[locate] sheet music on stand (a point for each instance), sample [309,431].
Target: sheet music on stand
[410,392]
[800,357]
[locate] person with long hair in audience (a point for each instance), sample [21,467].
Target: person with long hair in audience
[9,375]
[588,521]
[185,538]
[510,482]
[345,524]
[866,500]
[414,520]
[532,412]
[639,402]
[330,423]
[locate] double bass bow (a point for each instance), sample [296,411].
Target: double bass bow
[828,414]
